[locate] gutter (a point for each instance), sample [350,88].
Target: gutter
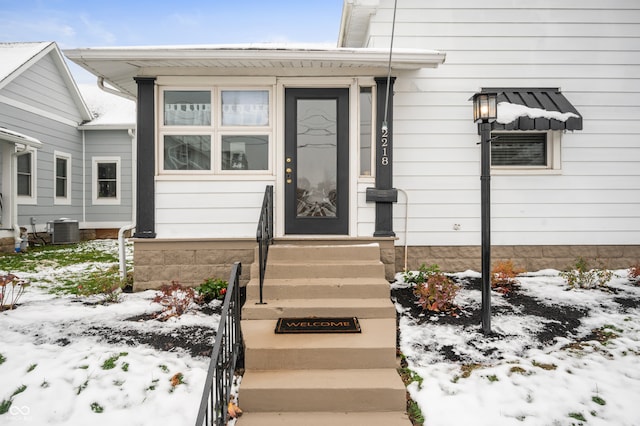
[113,91]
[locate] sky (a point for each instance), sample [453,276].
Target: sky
[79,24]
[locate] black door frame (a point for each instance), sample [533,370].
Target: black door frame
[338,225]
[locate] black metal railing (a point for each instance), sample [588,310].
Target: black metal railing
[226,353]
[264,234]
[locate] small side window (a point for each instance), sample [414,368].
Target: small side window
[106,180]
[525,152]
[62,178]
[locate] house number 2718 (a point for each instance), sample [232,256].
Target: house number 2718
[384,145]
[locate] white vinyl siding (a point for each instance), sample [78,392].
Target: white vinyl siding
[212,208]
[586,48]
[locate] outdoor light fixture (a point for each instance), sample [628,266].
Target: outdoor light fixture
[485,111]
[485,107]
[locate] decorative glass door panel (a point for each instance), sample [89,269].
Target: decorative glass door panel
[316,161]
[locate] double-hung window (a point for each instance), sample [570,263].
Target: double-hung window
[106,180]
[26,177]
[62,178]
[215,130]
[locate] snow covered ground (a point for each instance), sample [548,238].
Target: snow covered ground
[589,377]
[56,354]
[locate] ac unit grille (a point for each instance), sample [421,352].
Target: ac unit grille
[64,232]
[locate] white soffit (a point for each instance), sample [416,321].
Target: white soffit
[120,65]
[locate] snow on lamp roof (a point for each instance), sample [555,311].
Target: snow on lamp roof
[508,112]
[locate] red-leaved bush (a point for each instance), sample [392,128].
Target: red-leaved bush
[437,293]
[175,300]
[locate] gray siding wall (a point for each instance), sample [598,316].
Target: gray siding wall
[54,136]
[588,48]
[42,86]
[109,143]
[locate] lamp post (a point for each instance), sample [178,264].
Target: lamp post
[485,112]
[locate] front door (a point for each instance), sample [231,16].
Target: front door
[317,161]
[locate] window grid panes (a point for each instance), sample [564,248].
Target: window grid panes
[217,130]
[61,177]
[107,180]
[24,174]
[187,152]
[524,150]
[187,108]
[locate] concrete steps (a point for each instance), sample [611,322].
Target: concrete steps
[368,349]
[325,419]
[321,379]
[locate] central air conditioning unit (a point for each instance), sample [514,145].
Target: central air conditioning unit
[64,231]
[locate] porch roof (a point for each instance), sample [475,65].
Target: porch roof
[119,65]
[11,136]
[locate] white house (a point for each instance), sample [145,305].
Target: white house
[58,160]
[356,153]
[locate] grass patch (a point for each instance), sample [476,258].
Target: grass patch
[578,416]
[598,400]
[544,366]
[414,412]
[2,359]
[31,368]
[96,408]
[55,256]
[110,362]
[5,404]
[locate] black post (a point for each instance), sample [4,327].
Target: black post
[485,217]
[145,192]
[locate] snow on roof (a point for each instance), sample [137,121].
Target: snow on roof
[14,55]
[508,112]
[108,109]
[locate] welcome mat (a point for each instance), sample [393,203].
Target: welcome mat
[318,325]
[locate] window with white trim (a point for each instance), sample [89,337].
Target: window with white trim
[216,130]
[62,178]
[525,152]
[106,180]
[26,177]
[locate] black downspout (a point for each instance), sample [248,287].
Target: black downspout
[384,194]
[145,193]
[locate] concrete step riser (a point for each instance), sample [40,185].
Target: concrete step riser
[326,270]
[304,254]
[324,419]
[330,358]
[251,311]
[303,291]
[352,400]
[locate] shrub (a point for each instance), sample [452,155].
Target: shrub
[420,276]
[583,277]
[175,300]
[11,288]
[634,273]
[437,293]
[212,289]
[503,276]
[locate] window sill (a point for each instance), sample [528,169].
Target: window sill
[524,172]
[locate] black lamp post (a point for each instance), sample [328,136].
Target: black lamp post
[485,112]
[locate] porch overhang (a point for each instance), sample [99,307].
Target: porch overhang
[119,65]
[11,136]
[534,109]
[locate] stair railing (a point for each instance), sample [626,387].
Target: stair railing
[227,351]
[264,235]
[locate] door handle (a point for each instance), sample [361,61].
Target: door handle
[289,171]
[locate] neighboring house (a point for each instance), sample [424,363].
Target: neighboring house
[52,160]
[216,124]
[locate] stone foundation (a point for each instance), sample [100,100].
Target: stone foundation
[189,262]
[528,258]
